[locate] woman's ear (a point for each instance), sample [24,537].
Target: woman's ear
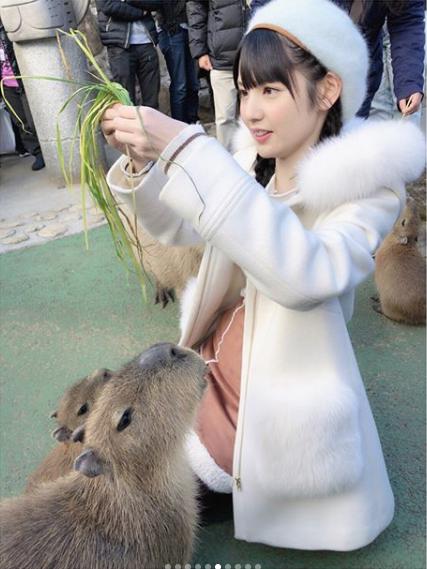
[330,88]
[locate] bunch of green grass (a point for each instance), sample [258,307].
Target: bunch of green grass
[93,100]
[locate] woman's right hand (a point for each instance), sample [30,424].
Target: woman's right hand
[141,132]
[108,128]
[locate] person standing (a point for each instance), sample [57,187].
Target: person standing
[384,105]
[173,41]
[215,30]
[14,92]
[129,32]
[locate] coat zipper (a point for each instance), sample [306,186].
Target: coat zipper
[248,338]
[107,25]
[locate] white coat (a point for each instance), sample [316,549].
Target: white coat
[308,468]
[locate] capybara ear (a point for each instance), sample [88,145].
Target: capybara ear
[78,435]
[106,374]
[89,464]
[61,434]
[102,373]
[53,415]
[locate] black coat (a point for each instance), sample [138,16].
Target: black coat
[116,16]
[171,14]
[216,28]
[407,38]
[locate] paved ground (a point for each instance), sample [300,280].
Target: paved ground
[33,210]
[65,311]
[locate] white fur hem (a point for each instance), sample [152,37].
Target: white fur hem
[205,467]
[365,157]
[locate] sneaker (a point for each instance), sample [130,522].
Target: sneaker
[23,153]
[38,163]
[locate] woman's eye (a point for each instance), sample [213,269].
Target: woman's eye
[83,409]
[242,93]
[269,90]
[125,420]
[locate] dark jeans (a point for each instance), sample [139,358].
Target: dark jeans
[184,86]
[14,98]
[137,62]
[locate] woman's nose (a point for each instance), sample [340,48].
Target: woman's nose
[251,108]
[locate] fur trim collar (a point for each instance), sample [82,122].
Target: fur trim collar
[366,156]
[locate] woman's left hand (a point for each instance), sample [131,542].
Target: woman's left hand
[145,136]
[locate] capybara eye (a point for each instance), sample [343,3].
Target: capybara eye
[403,222]
[83,409]
[125,420]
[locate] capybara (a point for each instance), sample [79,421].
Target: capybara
[400,271]
[171,266]
[131,501]
[73,410]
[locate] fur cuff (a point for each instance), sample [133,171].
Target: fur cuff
[205,467]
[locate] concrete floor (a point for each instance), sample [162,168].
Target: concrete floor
[65,311]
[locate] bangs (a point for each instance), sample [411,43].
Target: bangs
[254,67]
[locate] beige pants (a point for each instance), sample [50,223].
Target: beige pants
[225,97]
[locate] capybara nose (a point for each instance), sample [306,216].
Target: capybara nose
[161,354]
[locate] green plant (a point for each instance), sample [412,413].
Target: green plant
[92,101]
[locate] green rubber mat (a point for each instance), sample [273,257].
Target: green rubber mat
[65,311]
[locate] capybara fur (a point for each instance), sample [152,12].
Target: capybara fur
[400,271]
[73,410]
[131,501]
[171,266]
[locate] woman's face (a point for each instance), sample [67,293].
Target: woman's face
[280,124]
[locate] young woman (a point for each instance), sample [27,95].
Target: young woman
[290,224]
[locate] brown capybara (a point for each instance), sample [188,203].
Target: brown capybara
[73,410]
[171,266]
[400,271]
[131,501]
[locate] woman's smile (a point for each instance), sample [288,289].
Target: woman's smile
[260,135]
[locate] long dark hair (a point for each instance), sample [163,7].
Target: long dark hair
[284,57]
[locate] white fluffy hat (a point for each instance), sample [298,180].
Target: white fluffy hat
[329,34]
